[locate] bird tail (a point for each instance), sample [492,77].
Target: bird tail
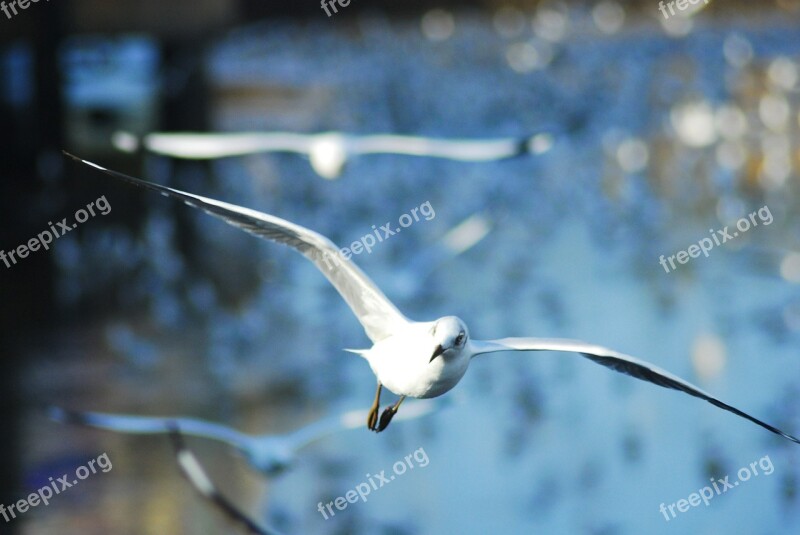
[360,352]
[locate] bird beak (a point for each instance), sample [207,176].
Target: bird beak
[436,352]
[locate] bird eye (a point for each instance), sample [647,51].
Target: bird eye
[459,338]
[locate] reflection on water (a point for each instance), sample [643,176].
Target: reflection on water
[658,138]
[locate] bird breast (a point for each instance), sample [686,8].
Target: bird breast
[402,364]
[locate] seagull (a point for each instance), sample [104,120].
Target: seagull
[412,358]
[328,151]
[196,475]
[269,454]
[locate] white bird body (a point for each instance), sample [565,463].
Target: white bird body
[417,359]
[402,363]
[328,154]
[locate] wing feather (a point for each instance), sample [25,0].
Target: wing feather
[379,317]
[619,362]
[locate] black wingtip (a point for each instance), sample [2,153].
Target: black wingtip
[68,155]
[785,435]
[196,475]
[753,419]
[523,147]
[645,373]
[176,437]
[535,145]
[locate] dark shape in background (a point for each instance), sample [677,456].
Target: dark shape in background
[36,185]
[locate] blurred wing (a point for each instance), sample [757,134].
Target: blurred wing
[200,146]
[143,425]
[617,362]
[454,149]
[314,431]
[379,317]
[197,476]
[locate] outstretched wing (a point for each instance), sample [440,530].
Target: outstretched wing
[379,317]
[201,146]
[473,150]
[145,425]
[617,362]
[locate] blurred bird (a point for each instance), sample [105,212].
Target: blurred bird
[329,151]
[269,454]
[196,475]
[417,359]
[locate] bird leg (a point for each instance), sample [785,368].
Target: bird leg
[372,417]
[387,415]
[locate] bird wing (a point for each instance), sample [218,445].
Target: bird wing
[199,146]
[454,149]
[379,317]
[145,425]
[617,362]
[471,150]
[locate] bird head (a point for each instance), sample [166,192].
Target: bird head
[450,336]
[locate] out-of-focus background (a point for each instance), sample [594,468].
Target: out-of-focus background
[662,128]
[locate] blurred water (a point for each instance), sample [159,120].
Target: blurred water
[658,139]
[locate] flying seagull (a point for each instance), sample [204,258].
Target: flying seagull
[269,454]
[194,472]
[328,151]
[411,358]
